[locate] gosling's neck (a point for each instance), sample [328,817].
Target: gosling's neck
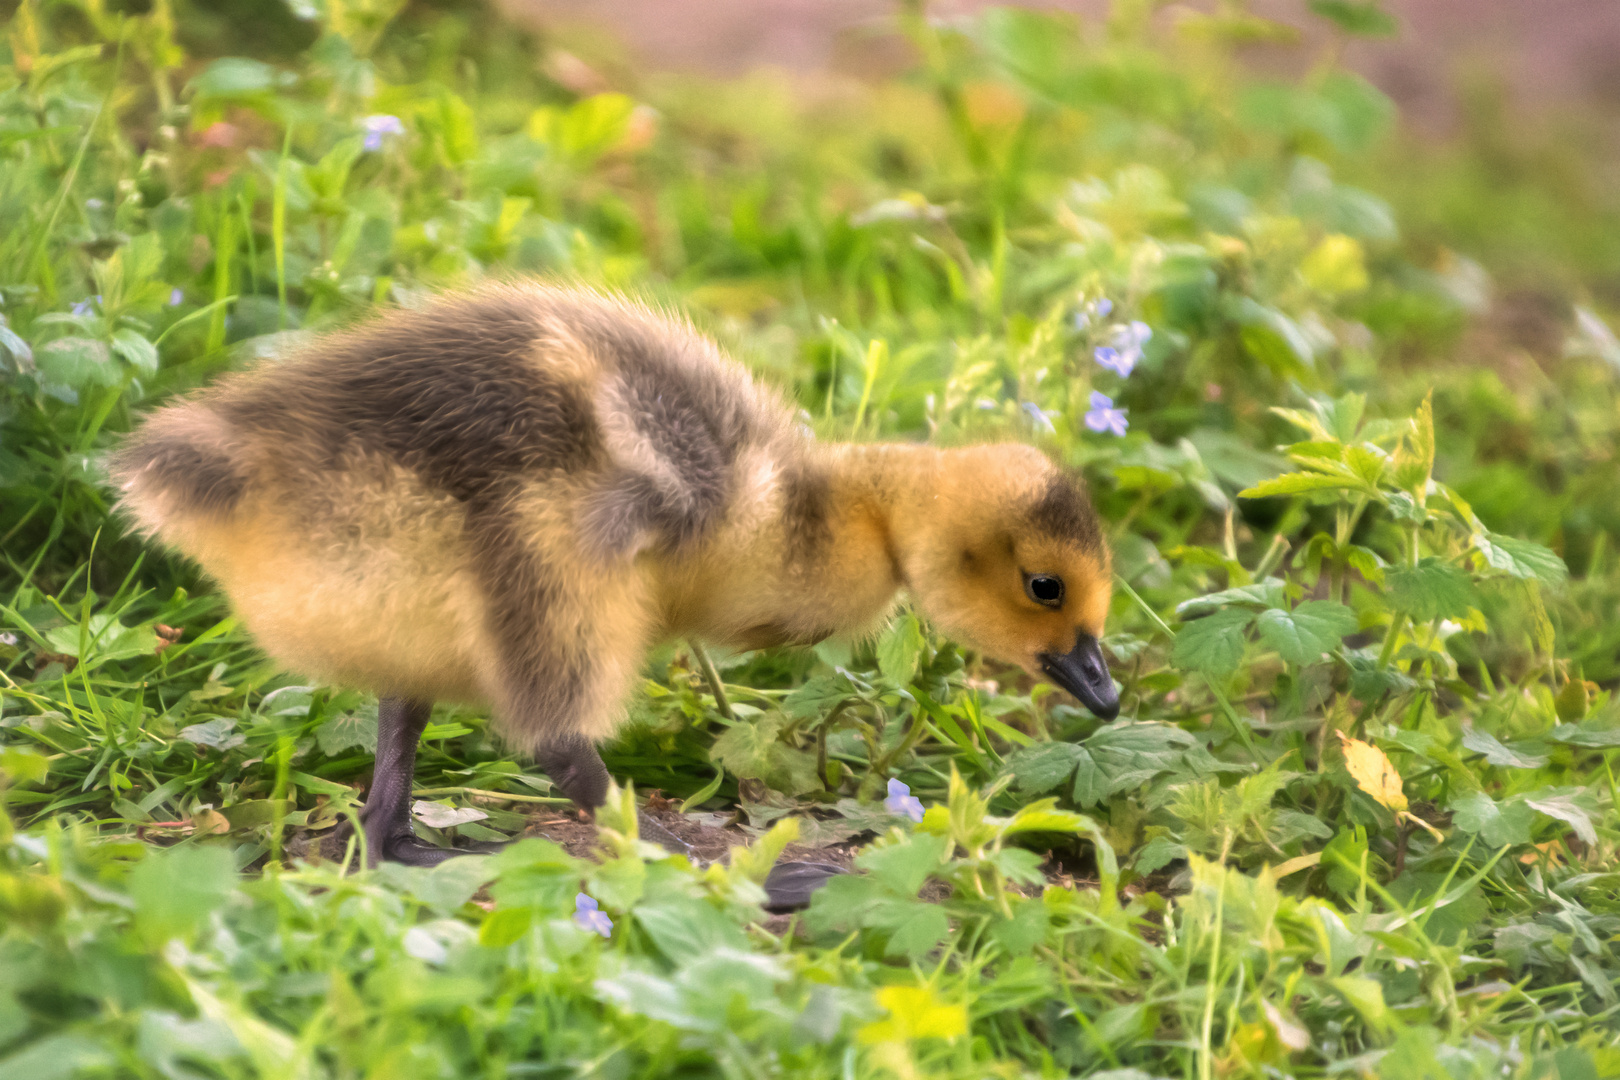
[885,495]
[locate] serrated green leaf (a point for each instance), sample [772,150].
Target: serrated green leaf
[1497,824]
[1272,592]
[1214,644]
[1361,17]
[1044,766]
[140,353]
[1483,742]
[1565,805]
[348,730]
[1585,735]
[1433,589]
[1523,559]
[745,747]
[1298,483]
[1301,636]
[899,650]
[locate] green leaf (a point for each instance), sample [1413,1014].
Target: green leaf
[1301,636]
[1298,483]
[817,697]
[58,1057]
[1214,644]
[1483,742]
[140,353]
[1272,592]
[1585,735]
[1044,766]
[175,889]
[1561,803]
[1498,824]
[899,650]
[685,928]
[77,362]
[1523,559]
[1156,854]
[745,748]
[1364,18]
[1042,816]
[355,730]
[903,867]
[1433,589]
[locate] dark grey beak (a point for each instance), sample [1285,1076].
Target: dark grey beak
[1084,673]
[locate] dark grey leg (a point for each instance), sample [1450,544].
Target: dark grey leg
[576,768]
[387,813]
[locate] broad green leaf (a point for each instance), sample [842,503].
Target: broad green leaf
[175,889]
[899,650]
[1272,592]
[77,362]
[1298,483]
[1366,996]
[1214,644]
[62,1056]
[685,928]
[1584,735]
[1483,742]
[745,747]
[1044,766]
[1365,18]
[1524,559]
[818,696]
[903,867]
[352,730]
[1498,824]
[1156,854]
[1302,635]
[1043,816]
[1565,804]
[1433,589]
[140,353]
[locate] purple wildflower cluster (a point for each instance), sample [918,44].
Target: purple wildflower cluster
[1120,353]
[902,803]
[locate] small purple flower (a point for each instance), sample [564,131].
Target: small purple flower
[379,126]
[984,404]
[1041,420]
[587,915]
[1118,362]
[1134,336]
[1104,417]
[1098,308]
[83,306]
[177,297]
[902,802]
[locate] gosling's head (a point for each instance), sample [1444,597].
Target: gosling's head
[1009,558]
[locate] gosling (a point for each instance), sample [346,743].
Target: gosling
[509,495]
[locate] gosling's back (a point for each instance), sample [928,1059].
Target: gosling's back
[413,507]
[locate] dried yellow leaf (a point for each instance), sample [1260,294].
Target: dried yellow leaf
[1373,773]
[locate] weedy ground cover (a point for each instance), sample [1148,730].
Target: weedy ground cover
[1357,816]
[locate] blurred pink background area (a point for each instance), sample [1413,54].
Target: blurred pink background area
[1544,53]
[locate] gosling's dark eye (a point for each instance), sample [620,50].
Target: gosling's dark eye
[1044,589]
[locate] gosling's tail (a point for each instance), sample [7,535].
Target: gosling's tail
[184,465]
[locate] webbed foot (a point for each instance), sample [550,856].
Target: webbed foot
[789,885]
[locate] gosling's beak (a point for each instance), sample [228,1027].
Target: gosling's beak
[1084,673]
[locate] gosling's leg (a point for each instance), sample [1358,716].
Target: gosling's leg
[387,813]
[577,769]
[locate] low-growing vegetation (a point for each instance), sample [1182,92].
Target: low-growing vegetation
[1357,814]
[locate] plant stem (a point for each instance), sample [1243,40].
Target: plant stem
[711,675]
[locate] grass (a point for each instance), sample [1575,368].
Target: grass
[1358,814]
